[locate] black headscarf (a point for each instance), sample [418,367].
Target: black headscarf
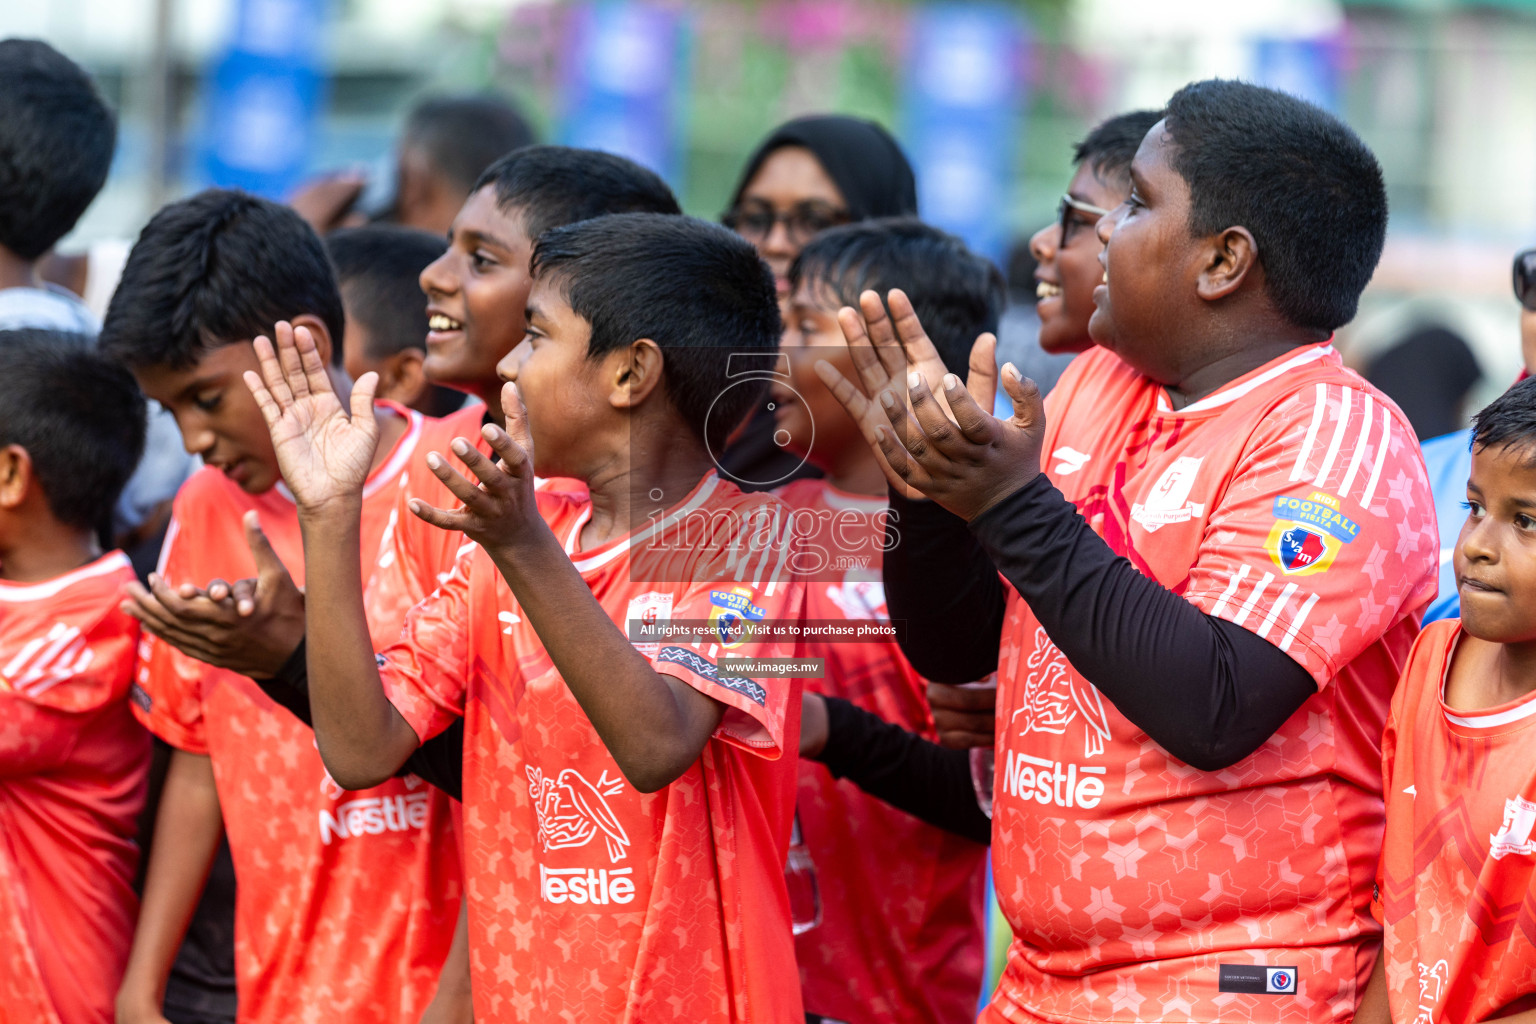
[861,158]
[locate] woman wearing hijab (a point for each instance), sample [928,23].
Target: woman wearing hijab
[808,175]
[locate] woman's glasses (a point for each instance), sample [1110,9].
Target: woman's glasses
[1525,279]
[802,222]
[1068,207]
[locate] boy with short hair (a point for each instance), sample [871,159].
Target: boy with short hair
[627,803]
[377,269]
[321,870]
[56,142]
[72,759]
[1219,541]
[900,937]
[1456,885]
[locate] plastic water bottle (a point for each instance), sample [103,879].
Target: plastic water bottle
[983,762]
[800,878]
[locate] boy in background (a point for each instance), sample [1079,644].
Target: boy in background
[1456,885]
[377,269]
[72,758]
[627,804]
[902,915]
[321,870]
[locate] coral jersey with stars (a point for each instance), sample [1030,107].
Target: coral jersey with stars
[415,556]
[347,900]
[1293,503]
[900,938]
[72,770]
[1456,889]
[590,901]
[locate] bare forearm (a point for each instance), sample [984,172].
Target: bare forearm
[187,832]
[652,725]
[362,738]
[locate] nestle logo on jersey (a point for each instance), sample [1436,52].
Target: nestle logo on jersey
[373,816]
[1051,783]
[597,886]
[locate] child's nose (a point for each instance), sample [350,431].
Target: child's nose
[1043,243]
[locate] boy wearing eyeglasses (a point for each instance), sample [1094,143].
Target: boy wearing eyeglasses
[1449,457]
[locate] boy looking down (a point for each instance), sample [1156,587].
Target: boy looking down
[627,805]
[326,877]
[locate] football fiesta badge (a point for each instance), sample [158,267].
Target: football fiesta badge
[731,615]
[1308,533]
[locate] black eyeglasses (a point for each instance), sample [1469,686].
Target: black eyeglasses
[802,222]
[1068,207]
[1525,279]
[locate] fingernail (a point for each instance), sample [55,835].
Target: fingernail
[951,381]
[914,379]
[887,399]
[433,460]
[460,446]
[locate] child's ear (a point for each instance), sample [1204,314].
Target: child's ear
[1232,255]
[322,334]
[15,475]
[402,377]
[636,373]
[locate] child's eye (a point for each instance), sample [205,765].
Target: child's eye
[1133,201]
[480,261]
[1475,509]
[208,402]
[1525,522]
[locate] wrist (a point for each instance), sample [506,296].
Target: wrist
[524,548]
[338,513]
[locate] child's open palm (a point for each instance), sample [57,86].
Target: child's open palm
[324,453]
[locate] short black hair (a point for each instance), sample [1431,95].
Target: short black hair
[1111,146]
[214,269]
[1509,421]
[462,135]
[1297,178]
[56,141]
[698,290]
[378,266]
[79,416]
[956,294]
[551,186]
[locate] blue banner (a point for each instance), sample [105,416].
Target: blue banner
[264,97]
[965,89]
[623,66]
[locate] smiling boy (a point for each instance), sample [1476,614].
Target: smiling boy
[1457,880]
[627,804]
[1218,541]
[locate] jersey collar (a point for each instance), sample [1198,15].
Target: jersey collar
[1231,392]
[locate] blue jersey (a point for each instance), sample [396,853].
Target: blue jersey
[1449,461]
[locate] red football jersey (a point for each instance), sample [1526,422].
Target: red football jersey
[415,556]
[1294,503]
[901,934]
[1457,885]
[590,901]
[347,900]
[72,772]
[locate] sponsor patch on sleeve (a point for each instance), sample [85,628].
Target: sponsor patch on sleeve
[1308,533]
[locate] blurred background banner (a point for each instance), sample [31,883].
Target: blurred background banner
[965,87]
[264,96]
[625,68]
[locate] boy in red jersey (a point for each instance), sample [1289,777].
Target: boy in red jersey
[1456,889]
[72,759]
[627,804]
[1207,618]
[320,869]
[900,939]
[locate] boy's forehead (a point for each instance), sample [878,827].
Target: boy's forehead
[163,382]
[816,293]
[484,215]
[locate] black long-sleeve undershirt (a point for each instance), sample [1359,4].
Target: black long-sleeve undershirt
[912,774]
[1208,691]
[439,761]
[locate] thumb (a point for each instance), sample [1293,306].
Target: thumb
[981,380]
[363,390]
[1028,408]
[269,567]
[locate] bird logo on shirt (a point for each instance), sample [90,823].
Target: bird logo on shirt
[571,811]
[1054,698]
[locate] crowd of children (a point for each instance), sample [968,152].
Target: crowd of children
[586,617]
